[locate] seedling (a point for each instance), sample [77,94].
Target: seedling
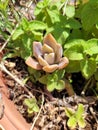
[76,117]
[31,103]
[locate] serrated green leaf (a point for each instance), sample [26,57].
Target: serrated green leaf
[75,52]
[36,25]
[30,111]
[69,112]
[60,73]
[37,35]
[24,24]
[54,15]
[91,47]
[69,11]
[88,67]
[80,111]
[82,122]
[73,67]
[59,85]
[32,105]
[72,122]
[72,24]
[43,79]
[35,108]
[18,32]
[89,16]
[74,42]
[61,35]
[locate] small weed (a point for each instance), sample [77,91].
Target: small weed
[76,117]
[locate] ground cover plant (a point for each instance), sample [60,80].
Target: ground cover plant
[59,43]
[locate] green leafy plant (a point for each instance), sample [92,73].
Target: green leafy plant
[31,104]
[5,24]
[76,117]
[72,26]
[24,35]
[54,81]
[83,56]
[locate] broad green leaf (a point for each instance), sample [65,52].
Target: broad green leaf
[91,43]
[89,16]
[62,34]
[40,6]
[82,122]
[30,110]
[75,52]
[69,112]
[74,42]
[92,51]
[75,34]
[26,47]
[80,111]
[36,25]
[88,67]
[60,73]
[73,24]
[73,67]
[35,108]
[69,11]
[37,35]
[54,15]
[30,102]
[24,24]
[51,86]
[43,79]
[18,32]
[91,47]
[59,85]
[72,122]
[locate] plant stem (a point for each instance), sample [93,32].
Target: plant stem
[6,42]
[69,88]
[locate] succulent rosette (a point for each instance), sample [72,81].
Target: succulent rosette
[47,56]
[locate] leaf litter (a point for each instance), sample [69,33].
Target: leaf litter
[52,115]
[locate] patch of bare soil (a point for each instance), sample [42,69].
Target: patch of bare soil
[52,115]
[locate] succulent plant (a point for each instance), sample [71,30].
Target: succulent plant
[47,56]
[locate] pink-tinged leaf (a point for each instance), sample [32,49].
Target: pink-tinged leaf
[47,49]
[33,63]
[37,49]
[58,53]
[50,58]
[50,41]
[50,68]
[63,63]
[42,61]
